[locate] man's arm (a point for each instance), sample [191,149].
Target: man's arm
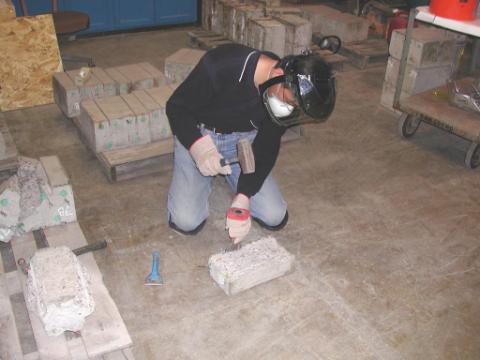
[186,102]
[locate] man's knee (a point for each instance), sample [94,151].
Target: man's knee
[273,221]
[186,224]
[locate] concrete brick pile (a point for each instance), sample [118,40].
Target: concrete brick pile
[264,25]
[103,83]
[179,65]
[431,55]
[328,21]
[125,120]
[58,290]
[38,196]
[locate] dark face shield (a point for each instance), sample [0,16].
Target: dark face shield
[294,100]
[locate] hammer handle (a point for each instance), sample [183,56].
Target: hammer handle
[91,247]
[225,162]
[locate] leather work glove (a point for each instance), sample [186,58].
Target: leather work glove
[207,157]
[238,218]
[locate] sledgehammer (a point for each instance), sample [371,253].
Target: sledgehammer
[245,157]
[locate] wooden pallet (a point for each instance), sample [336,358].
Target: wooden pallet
[135,161]
[366,53]
[207,40]
[22,336]
[9,161]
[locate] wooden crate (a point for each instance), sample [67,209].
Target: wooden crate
[104,335]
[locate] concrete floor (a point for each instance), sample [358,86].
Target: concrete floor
[384,230]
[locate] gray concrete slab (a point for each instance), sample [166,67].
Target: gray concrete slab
[384,232]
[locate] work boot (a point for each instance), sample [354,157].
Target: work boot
[183,232]
[273,228]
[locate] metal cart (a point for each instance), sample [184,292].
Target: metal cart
[430,108]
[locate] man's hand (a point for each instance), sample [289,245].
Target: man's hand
[238,218]
[207,157]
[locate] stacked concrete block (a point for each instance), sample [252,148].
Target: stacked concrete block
[429,64]
[138,77]
[328,21]
[66,94]
[94,126]
[121,120]
[161,129]
[58,290]
[91,89]
[158,77]
[267,34]
[179,65]
[38,196]
[142,119]
[238,26]
[122,84]
[157,114]
[283,10]
[271,3]
[298,33]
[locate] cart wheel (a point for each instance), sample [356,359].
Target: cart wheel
[472,158]
[408,125]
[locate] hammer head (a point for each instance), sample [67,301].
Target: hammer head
[245,156]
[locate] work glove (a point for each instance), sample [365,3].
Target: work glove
[207,157]
[238,218]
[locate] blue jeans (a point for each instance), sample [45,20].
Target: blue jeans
[189,190]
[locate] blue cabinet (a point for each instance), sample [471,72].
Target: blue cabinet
[114,15]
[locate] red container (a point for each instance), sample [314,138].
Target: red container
[454,9]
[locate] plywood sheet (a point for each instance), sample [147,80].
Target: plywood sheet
[28,58]
[7,10]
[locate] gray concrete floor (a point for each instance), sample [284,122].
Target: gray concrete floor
[384,230]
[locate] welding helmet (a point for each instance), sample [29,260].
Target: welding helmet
[306,91]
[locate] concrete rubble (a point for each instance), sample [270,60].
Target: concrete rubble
[29,201]
[58,290]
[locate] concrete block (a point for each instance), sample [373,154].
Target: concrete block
[142,119]
[61,207]
[271,3]
[253,264]
[94,126]
[161,129]
[157,114]
[179,65]
[388,94]
[328,21]
[266,34]
[239,20]
[139,78]
[121,120]
[283,10]
[109,85]
[417,80]
[58,290]
[206,20]
[122,84]
[66,94]
[54,171]
[9,204]
[429,47]
[218,15]
[91,89]
[298,33]
[159,78]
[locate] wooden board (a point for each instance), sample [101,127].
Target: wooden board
[9,341]
[436,111]
[207,40]
[366,53]
[7,10]
[28,58]
[104,335]
[139,160]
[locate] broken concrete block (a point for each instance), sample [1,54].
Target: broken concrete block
[417,80]
[298,33]
[159,78]
[58,290]
[91,89]
[9,204]
[66,94]
[266,34]
[161,129]
[139,78]
[179,65]
[61,207]
[253,264]
[429,47]
[328,21]
[121,120]
[94,126]
[142,119]
[122,84]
